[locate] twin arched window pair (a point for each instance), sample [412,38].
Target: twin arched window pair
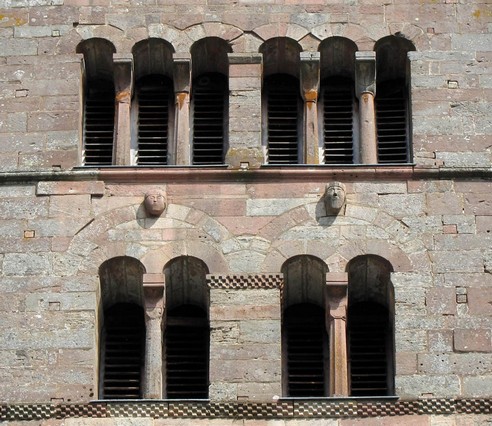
[308,346]
[156,99]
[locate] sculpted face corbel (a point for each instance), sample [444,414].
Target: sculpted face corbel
[334,198]
[155,203]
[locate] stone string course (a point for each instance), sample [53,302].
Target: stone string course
[246,410]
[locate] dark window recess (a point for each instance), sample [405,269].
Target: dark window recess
[123,352]
[283,109]
[154,101]
[392,122]
[187,351]
[99,123]
[307,345]
[369,365]
[338,126]
[209,113]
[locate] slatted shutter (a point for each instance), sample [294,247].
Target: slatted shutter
[99,110]
[283,115]
[392,123]
[306,351]
[187,353]
[123,352]
[338,121]
[369,364]
[209,114]
[154,103]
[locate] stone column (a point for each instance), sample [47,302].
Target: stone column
[154,300]
[245,150]
[365,89]
[310,74]
[336,322]
[123,82]
[180,152]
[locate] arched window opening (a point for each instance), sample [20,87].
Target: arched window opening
[305,344]
[337,100]
[392,100]
[370,327]
[99,122]
[154,98]
[209,124]
[284,109]
[339,128]
[282,102]
[307,350]
[187,353]
[209,101]
[153,106]
[392,122]
[122,342]
[369,349]
[98,127]
[187,332]
[122,354]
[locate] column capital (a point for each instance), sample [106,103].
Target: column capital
[365,72]
[182,72]
[153,290]
[310,75]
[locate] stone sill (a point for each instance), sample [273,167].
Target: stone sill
[265,174]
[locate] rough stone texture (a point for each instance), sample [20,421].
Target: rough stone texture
[432,220]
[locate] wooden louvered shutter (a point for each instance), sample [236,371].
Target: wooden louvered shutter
[187,353]
[99,110]
[338,121]
[123,354]
[283,115]
[154,102]
[306,351]
[209,111]
[369,352]
[392,122]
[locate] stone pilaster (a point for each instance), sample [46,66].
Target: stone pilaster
[245,79]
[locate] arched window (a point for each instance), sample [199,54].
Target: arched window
[122,343]
[209,100]
[282,111]
[370,327]
[153,103]
[99,102]
[305,345]
[393,99]
[187,333]
[338,109]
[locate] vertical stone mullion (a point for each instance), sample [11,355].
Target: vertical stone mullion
[310,76]
[123,80]
[180,152]
[336,322]
[365,89]
[154,301]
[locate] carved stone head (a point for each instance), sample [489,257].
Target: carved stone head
[334,197]
[155,203]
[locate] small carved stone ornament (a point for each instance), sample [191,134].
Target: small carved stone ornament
[334,197]
[155,203]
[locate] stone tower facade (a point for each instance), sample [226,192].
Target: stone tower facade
[242,212]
